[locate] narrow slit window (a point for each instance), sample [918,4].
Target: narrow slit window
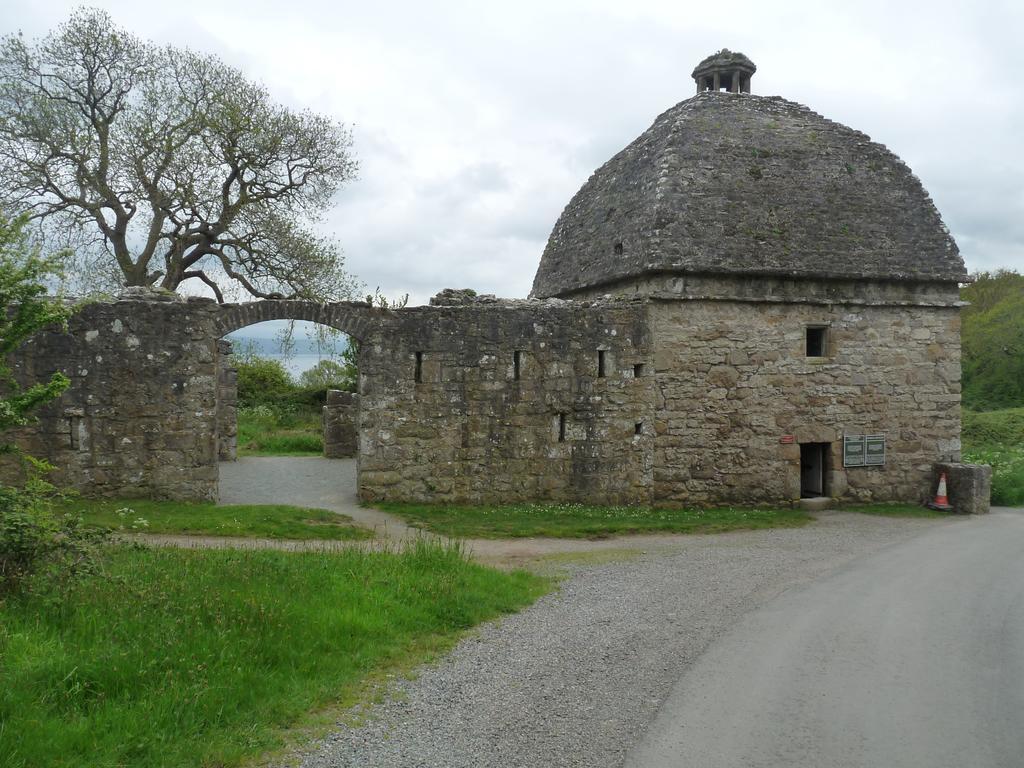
[600,363]
[561,427]
[73,433]
[517,365]
[638,370]
[638,428]
[817,341]
[618,249]
[418,376]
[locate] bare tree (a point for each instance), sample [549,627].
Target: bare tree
[165,165]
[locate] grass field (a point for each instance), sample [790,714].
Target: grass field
[582,521]
[268,431]
[276,521]
[202,657]
[997,438]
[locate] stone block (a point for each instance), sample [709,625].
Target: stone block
[968,486]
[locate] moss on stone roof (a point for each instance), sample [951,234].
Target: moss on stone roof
[739,184]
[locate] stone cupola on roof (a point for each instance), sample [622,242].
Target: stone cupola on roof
[725,69]
[727,183]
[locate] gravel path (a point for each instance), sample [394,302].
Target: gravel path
[309,481]
[575,679]
[305,481]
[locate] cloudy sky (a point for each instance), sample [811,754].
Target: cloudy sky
[475,122]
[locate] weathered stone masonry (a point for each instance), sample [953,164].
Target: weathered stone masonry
[447,412]
[733,379]
[140,416]
[722,301]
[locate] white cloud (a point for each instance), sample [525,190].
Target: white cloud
[475,123]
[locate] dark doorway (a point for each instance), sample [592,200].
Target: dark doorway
[815,461]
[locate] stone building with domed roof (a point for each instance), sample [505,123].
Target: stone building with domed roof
[801,287]
[749,303]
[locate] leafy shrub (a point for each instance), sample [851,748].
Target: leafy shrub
[32,538]
[262,380]
[329,374]
[993,341]
[993,428]
[36,541]
[24,310]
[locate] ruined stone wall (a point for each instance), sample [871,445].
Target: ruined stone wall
[734,381]
[447,413]
[227,403]
[341,430]
[139,419]
[681,400]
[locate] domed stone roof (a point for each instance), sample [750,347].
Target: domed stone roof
[730,183]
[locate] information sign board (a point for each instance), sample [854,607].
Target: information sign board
[863,450]
[853,450]
[874,450]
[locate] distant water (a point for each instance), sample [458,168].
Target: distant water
[302,359]
[296,364]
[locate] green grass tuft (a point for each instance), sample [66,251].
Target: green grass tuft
[582,521]
[893,510]
[269,431]
[276,521]
[203,657]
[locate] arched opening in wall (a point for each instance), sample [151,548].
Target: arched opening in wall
[287,414]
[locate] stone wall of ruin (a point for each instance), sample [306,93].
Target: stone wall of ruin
[139,419]
[667,401]
[227,403]
[340,427]
[474,425]
[446,414]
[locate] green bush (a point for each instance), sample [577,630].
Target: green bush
[36,542]
[993,341]
[993,428]
[329,374]
[262,380]
[997,438]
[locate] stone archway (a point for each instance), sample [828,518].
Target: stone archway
[355,319]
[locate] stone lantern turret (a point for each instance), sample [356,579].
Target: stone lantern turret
[724,70]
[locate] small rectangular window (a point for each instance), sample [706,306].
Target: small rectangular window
[517,364]
[817,341]
[638,428]
[600,364]
[73,433]
[419,368]
[638,370]
[561,427]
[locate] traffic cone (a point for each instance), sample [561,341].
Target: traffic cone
[941,500]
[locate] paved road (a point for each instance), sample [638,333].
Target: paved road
[910,657]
